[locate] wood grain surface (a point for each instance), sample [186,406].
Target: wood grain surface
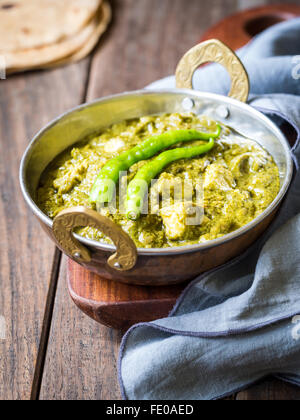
[27,263]
[52,350]
[270,389]
[81,362]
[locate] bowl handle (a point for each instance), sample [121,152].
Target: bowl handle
[217,52]
[66,221]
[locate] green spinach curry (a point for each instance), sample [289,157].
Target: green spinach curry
[231,184]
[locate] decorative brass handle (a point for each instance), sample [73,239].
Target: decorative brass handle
[65,222]
[214,51]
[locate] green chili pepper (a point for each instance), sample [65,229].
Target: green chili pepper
[103,188]
[138,187]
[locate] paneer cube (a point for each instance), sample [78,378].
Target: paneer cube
[179,217]
[114,145]
[217,176]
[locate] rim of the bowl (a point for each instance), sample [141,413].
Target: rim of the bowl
[171,250]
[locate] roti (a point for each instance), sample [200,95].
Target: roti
[92,42]
[28,24]
[70,49]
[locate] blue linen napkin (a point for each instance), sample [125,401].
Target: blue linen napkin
[239,322]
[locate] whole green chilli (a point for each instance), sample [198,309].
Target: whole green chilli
[103,188]
[138,187]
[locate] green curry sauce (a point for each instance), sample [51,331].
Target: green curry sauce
[238,180]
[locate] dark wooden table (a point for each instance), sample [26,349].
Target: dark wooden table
[53,351]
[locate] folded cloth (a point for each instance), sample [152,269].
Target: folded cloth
[239,322]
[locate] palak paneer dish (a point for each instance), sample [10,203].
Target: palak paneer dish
[168,180]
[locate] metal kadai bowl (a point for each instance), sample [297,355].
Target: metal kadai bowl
[123,262]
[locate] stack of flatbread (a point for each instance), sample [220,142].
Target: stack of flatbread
[47,33]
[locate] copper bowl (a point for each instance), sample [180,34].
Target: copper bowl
[154,266]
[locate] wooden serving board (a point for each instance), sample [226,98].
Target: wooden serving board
[118,305]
